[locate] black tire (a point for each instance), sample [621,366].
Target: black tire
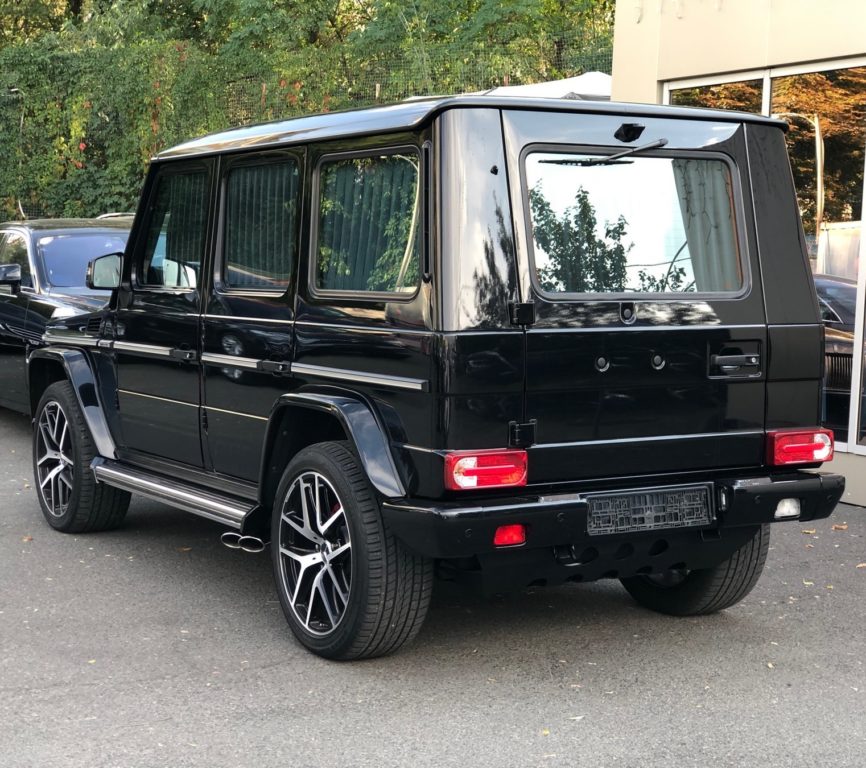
[373,593]
[701,592]
[71,499]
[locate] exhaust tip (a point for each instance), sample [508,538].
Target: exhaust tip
[252,544]
[231,539]
[234,540]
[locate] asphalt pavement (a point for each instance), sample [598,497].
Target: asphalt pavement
[154,645]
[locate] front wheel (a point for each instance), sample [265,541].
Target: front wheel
[71,499]
[694,593]
[347,586]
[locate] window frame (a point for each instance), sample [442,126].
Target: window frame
[140,232]
[737,201]
[377,297]
[247,160]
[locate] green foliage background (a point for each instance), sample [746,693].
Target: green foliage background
[90,90]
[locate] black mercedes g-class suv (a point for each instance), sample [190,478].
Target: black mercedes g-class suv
[521,341]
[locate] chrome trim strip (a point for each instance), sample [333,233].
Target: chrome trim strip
[204,504]
[153,350]
[79,340]
[618,326]
[360,329]
[376,379]
[652,439]
[249,318]
[232,361]
[154,397]
[235,413]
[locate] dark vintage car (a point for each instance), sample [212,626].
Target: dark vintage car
[510,341]
[42,270]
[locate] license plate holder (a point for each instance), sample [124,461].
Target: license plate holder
[649,509]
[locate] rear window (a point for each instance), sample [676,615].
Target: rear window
[657,225]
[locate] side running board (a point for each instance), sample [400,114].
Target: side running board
[224,509]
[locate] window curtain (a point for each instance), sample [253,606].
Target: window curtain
[260,225]
[367,212]
[186,220]
[704,189]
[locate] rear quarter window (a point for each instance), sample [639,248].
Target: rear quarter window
[637,225]
[368,229]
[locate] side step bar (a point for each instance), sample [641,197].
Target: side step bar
[224,509]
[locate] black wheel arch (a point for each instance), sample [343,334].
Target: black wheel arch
[49,364]
[301,419]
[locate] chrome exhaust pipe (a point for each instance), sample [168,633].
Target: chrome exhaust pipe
[234,540]
[252,544]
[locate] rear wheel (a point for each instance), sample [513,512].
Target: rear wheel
[693,593]
[71,499]
[348,588]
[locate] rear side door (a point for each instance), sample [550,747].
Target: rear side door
[649,345]
[248,325]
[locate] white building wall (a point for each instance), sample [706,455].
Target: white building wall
[660,40]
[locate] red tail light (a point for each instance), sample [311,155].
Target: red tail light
[799,446]
[498,468]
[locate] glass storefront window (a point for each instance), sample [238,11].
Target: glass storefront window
[744,96]
[826,112]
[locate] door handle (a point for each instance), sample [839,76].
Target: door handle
[728,363]
[184,355]
[274,366]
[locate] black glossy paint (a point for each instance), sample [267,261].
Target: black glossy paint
[406,379]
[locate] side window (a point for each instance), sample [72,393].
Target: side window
[262,203]
[176,231]
[369,235]
[13,250]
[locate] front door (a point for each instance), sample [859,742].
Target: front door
[157,343]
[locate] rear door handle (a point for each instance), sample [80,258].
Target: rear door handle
[728,363]
[184,355]
[274,366]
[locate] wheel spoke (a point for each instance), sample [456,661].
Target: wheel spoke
[338,589]
[326,601]
[49,478]
[337,551]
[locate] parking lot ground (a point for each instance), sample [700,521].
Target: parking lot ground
[154,645]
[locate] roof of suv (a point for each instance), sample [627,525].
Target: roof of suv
[409,115]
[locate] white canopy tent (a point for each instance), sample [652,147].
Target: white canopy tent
[590,86]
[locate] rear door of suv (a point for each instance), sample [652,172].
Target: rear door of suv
[648,349]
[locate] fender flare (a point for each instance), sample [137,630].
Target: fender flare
[361,426]
[80,375]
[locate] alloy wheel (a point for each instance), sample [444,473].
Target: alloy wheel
[315,553]
[54,459]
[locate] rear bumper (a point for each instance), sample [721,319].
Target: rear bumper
[455,530]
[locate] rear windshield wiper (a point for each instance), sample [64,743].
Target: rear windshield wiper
[609,159]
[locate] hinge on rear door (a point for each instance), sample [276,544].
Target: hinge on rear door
[521,435]
[204,419]
[522,312]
